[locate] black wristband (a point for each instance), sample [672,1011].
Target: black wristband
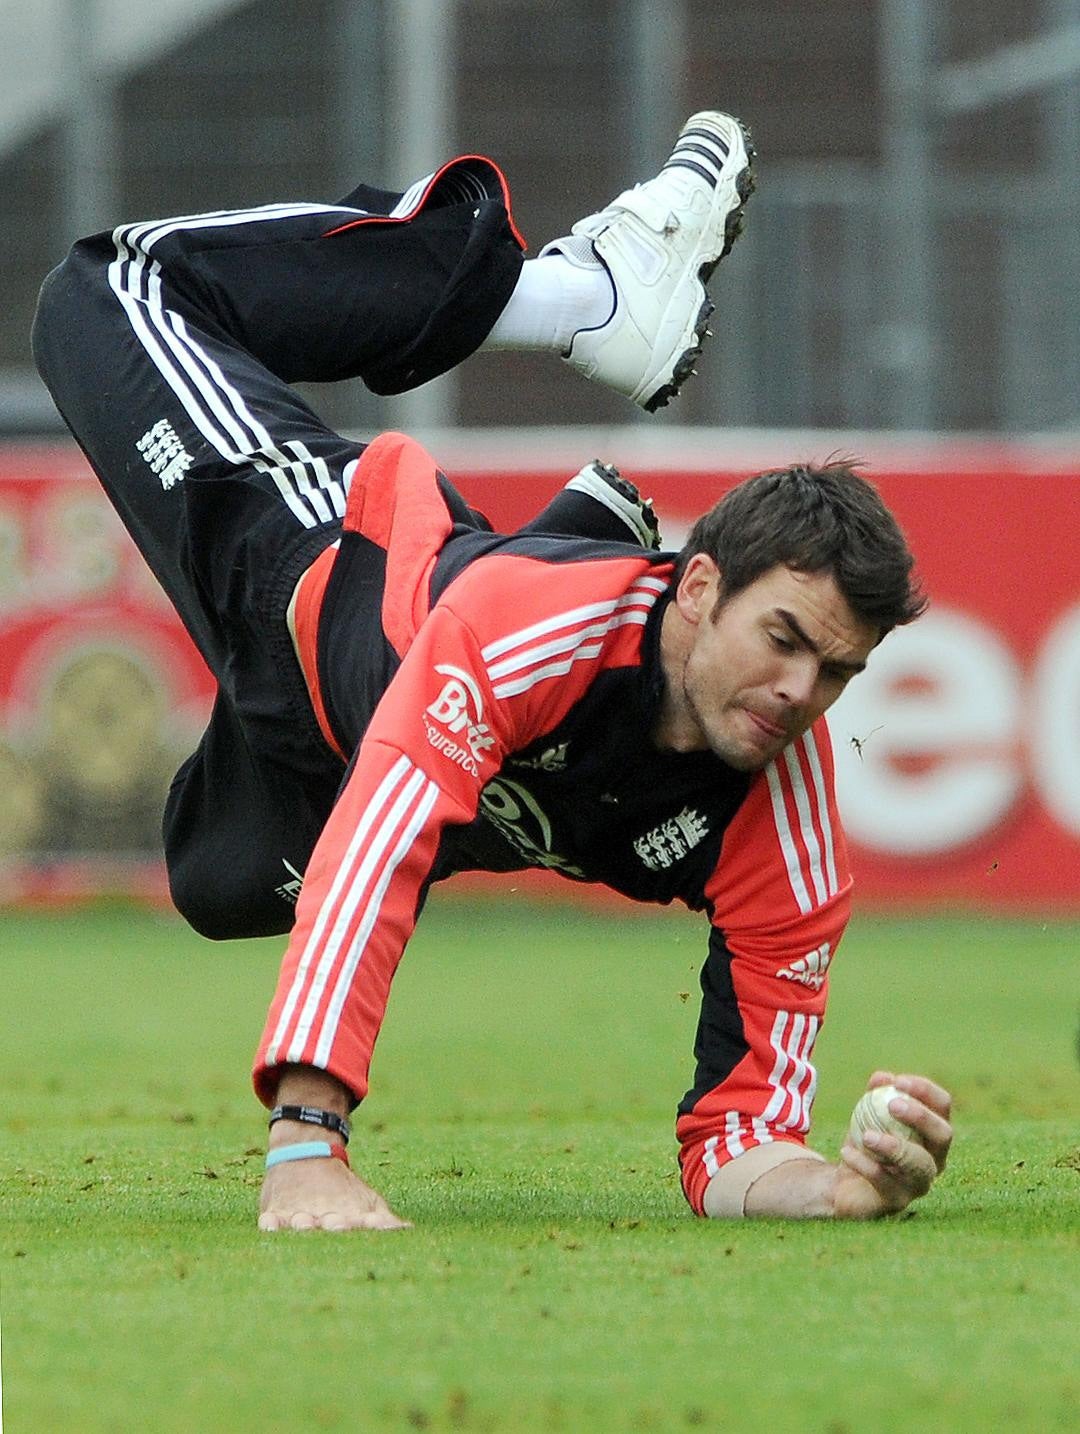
[312,1115]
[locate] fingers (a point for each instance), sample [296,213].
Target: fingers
[932,1095]
[334,1220]
[904,1162]
[899,1170]
[322,1194]
[925,1106]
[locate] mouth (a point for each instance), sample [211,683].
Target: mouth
[771,730]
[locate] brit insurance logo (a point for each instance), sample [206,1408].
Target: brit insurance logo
[166,456]
[455,721]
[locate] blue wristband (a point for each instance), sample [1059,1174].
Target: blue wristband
[306,1150]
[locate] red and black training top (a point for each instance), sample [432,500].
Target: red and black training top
[495,698]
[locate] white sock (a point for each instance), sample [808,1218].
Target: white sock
[557,294]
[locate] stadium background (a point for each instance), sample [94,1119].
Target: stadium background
[908,290]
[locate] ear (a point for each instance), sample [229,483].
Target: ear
[699,586]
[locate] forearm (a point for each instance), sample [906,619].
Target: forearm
[788,1182]
[355,914]
[781,1178]
[812,1189]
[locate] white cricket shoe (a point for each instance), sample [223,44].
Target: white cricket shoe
[605,485]
[659,243]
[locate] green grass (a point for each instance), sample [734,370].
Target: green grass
[521,1115]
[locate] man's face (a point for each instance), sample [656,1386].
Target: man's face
[747,679]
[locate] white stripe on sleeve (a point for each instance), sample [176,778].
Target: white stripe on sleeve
[814,758]
[337,939]
[383,793]
[343,985]
[806,824]
[787,841]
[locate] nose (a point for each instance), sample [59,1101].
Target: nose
[796,683]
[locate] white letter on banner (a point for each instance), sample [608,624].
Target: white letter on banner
[1055,746]
[926,737]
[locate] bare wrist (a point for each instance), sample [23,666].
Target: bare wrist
[729,1192]
[803,1189]
[307,1085]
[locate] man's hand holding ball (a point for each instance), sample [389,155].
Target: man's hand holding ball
[897,1144]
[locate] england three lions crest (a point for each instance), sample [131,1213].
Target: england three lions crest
[671,840]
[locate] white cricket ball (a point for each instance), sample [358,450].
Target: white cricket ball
[872,1113]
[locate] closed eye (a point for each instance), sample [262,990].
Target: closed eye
[791,637]
[843,675]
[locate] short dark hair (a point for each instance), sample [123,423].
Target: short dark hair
[815,519]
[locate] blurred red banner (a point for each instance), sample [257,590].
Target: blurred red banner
[101,692]
[958,750]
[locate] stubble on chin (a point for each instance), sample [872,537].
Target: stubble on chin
[741,761]
[744,757]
